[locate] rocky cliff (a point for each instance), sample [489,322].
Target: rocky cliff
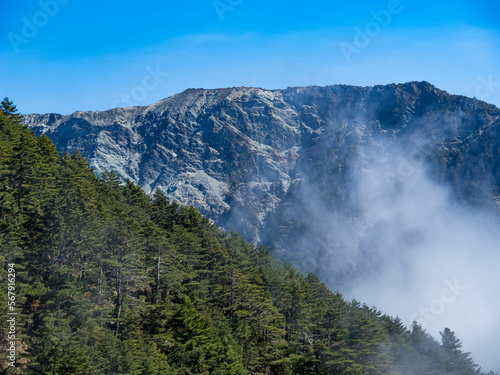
[284,166]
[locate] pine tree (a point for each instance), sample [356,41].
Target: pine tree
[10,110]
[454,360]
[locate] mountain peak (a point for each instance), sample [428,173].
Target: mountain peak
[235,153]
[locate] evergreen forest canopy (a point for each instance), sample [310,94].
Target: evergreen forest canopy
[109,281]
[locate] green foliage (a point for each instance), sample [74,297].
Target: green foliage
[454,360]
[9,109]
[110,281]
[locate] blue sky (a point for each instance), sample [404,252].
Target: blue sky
[68,55]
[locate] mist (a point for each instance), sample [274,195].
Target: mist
[416,252]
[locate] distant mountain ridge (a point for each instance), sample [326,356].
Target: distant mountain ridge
[251,158]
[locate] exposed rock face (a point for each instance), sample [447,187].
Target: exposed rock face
[210,148]
[255,159]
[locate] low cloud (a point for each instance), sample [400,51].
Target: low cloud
[422,256]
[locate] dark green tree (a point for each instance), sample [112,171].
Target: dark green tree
[10,110]
[454,360]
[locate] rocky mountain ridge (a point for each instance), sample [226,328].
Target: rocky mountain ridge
[255,159]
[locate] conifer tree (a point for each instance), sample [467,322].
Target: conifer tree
[454,360]
[10,110]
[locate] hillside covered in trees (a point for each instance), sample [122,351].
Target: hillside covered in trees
[109,281]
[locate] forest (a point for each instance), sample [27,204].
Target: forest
[111,281]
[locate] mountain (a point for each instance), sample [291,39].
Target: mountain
[285,166]
[102,279]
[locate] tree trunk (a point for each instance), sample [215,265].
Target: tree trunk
[118,301]
[158,277]
[232,296]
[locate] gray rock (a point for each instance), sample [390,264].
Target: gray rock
[268,162]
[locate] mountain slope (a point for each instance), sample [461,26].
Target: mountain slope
[108,281]
[251,159]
